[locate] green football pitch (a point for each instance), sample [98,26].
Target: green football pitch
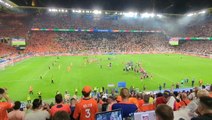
[73,72]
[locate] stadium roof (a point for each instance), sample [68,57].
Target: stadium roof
[163,6]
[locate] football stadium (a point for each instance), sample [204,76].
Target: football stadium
[105,60]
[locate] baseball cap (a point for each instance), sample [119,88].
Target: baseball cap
[167,93]
[86,89]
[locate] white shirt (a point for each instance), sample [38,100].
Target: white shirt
[37,115]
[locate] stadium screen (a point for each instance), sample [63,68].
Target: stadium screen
[110,115]
[18,41]
[174,41]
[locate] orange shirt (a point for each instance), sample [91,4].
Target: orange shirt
[133,101]
[86,109]
[185,102]
[140,103]
[210,95]
[147,107]
[4,106]
[60,107]
[177,106]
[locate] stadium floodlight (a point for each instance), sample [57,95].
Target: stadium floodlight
[78,11]
[83,11]
[159,15]
[130,14]
[202,12]
[5,4]
[145,15]
[190,14]
[66,10]
[97,12]
[120,13]
[87,11]
[152,15]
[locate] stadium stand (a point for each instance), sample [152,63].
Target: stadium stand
[39,42]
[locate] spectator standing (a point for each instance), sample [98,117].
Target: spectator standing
[87,107]
[4,106]
[16,114]
[37,112]
[170,100]
[59,106]
[127,107]
[61,115]
[204,109]
[146,106]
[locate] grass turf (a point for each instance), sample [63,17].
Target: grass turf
[170,68]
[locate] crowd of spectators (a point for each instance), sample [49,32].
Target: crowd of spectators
[169,105]
[113,42]
[75,42]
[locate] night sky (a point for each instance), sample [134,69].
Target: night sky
[163,6]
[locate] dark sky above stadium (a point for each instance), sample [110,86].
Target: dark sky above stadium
[163,6]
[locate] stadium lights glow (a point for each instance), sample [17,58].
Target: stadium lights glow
[196,13]
[152,15]
[6,4]
[190,14]
[57,10]
[120,13]
[87,11]
[159,15]
[202,12]
[97,12]
[145,15]
[130,14]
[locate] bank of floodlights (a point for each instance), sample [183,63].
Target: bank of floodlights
[5,4]
[54,10]
[150,15]
[130,14]
[97,12]
[196,13]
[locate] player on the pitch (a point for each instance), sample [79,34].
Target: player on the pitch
[30,90]
[68,69]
